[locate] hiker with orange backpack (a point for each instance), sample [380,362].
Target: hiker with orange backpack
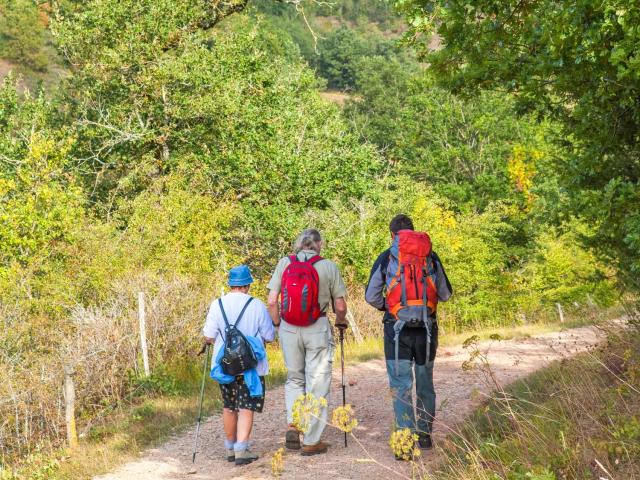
[406,282]
[301,290]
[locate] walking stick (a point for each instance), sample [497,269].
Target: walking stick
[205,349]
[344,395]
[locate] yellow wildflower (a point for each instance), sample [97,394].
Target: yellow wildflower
[403,444]
[277,463]
[305,408]
[344,419]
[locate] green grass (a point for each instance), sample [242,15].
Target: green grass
[577,419]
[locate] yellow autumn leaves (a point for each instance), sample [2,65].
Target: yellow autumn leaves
[522,168]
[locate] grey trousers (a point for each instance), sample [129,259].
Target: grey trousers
[308,356]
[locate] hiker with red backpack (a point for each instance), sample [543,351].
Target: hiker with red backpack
[406,282]
[301,290]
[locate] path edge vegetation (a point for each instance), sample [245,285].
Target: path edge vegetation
[576,418]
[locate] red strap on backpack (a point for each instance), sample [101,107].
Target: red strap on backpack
[299,292]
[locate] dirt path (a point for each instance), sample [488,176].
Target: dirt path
[369,393]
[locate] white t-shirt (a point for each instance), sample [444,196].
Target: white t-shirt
[255,322]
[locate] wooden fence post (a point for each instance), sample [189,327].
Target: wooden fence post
[143,334]
[354,327]
[69,407]
[560,312]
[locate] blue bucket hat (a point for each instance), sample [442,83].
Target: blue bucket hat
[240,276]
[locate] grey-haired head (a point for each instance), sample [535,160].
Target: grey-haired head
[309,239]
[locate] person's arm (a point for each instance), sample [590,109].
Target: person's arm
[273,307]
[265,327]
[339,294]
[374,293]
[274,286]
[340,306]
[443,285]
[210,331]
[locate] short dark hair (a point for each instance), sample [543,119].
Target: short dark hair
[400,222]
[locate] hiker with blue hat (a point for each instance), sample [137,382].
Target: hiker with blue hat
[239,325]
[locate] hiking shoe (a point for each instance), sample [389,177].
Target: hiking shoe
[244,457]
[231,455]
[317,449]
[292,439]
[424,441]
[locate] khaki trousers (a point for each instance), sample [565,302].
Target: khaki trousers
[308,356]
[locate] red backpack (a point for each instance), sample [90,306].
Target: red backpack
[299,292]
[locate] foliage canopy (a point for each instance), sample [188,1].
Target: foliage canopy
[577,61]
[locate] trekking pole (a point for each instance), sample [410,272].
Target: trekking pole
[205,349]
[344,395]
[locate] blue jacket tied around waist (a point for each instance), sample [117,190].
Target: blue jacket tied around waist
[251,377]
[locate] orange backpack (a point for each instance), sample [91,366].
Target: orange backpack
[412,296]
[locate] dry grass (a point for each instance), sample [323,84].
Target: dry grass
[577,419]
[141,422]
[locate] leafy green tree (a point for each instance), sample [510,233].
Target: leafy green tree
[40,202]
[341,51]
[460,147]
[22,33]
[226,106]
[575,60]
[560,272]
[220,99]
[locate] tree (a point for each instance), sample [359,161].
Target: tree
[223,106]
[40,202]
[343,49]
[576,60]
[461,147]
[161,94]
[22,33]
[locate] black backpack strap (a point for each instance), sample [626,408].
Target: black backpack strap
[224,314]
[424,287]
[242,312]
[425,309]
